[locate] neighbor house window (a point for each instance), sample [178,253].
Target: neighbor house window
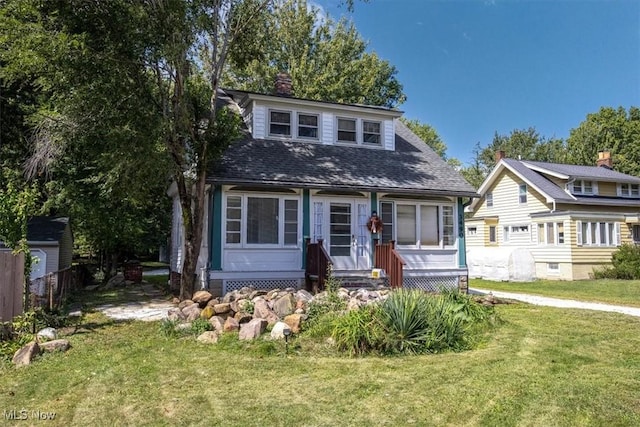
[280,123]
[308,126]
[347,130]
[472,231]
[505,234]
[371,132]
[492,234]
[583,187]
[635,234]
[421,225]
[630,190]
[597,233]
[522,192]
[256,220]
[553,267]
[551,233]
[489,198]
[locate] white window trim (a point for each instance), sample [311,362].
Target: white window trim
[417,204]
[243,221]
[495,235]
[291,124]
[553,270]
[629,191]
[318,126]
[489,200]
[578,187]
[359,132]
[612,240]
[556,233]
[525,194]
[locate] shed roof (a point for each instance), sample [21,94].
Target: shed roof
[46,228]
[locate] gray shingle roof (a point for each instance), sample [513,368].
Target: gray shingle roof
[586,172]
[46,228]
[539,181]
[412,168]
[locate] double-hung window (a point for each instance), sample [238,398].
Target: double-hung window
[261,220]
[489,199]
[522,193]
[418,225]
[597,233]
[307,126]
[280,123]
[347,130]
[630,190]
[583,187]
[371,132]
[551,233]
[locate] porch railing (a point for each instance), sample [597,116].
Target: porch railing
[388,259]
[317,261]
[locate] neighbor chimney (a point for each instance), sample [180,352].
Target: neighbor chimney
[283,84]
[604,159]
[500,155]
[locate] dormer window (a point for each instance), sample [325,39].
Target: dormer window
[347,130]
[630,190]
[280,123]
[308,126]
[583,187]
[371,132]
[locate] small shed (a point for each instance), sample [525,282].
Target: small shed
[51,243]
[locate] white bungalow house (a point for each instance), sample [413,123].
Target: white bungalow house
[298,191]
[549,220]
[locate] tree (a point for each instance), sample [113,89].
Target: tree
[429,135]
[327,60]
[616,130]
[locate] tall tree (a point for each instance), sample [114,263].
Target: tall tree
[428,134]
[617,130]
[327,60]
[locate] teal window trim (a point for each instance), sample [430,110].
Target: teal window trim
[374,207]
[462,246]
[216,229]
[306,223]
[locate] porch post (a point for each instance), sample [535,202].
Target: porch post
[306,223]
[462,247]
[216,228]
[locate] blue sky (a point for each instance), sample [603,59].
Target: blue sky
[471,68]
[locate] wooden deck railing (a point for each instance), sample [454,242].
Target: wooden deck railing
[317,261]
[388,259]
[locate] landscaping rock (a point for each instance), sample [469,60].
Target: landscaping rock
[207,312]
[284,306]
[256,293]
[185,303]
[218,323]
[222,308]
[192,312]
[213,301]
[116,281]
[202,298]
[26,354]
[176,314]
[303,295]
[231,325]
[230,297]
[183,326]
[243,317]
[253,329]
[354,304]
[294,321]
[209,337]
[55,345]
[278,331]
[261,310]
[47,334]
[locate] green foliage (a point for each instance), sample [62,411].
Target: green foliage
[22,329]
[429,135]
[625,264]
[200,325]
[322,310]
[327,60]
[168,328]
[358,331]
[404,316]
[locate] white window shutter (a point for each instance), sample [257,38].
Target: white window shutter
[616,230]
[579,233]
[595,188]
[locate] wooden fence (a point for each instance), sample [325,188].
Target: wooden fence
[51,290]
[11,285]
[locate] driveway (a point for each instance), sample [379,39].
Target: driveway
[562,303]
[144,302]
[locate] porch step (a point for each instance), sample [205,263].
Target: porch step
[361,282]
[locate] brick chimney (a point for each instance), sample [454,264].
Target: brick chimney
[604,159]
[500,155]
[283,84]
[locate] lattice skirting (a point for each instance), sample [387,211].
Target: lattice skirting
[264,284]
[430,283]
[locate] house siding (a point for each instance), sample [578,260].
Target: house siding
[607,189]
[328,120]
[389,133]
[66,249]
[259,121]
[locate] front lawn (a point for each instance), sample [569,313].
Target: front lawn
[541,366]
[620,292]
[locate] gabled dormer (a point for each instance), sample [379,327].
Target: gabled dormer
[283,117]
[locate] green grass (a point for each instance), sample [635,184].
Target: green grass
[540,366]
[621,292]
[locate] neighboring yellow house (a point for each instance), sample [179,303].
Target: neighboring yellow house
[554,220]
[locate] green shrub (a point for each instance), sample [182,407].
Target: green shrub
[331,304]
[358,331]
[447,325]
[404,316]
[625,264]
[168,328]
[200,325]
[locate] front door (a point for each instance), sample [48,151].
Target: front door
[345,233]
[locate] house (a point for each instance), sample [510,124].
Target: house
[557,221]
[304,184]
[51,244]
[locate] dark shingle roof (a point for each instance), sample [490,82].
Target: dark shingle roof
[542,183]
[412,168]
[585,172]
[46,228]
